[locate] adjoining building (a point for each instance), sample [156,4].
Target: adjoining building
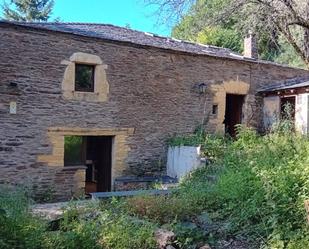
[293,95]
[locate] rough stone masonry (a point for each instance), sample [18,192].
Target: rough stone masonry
[149,95]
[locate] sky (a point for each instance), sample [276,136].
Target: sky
[118,12]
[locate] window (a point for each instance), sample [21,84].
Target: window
[84,78]
[74,152]
[214,109]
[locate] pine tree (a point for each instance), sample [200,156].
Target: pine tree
[28,10]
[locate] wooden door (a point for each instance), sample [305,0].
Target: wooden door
[104,163]
[99,153]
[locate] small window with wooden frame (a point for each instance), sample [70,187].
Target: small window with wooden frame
[84,77]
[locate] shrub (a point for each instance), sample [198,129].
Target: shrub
[124,232]
[95,227]
[188,140]
[18,228]
[260,189]
[79,234]
[88,227]
[212,145]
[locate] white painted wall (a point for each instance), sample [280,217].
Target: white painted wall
[301,113]
[271,111]
[181,160]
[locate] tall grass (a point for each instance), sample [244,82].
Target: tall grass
[18,228]
[262,183]
[89,227]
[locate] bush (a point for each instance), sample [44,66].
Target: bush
[212,145]
[125,232]
[260,189]
[88,227]
[18,228]
[94,226]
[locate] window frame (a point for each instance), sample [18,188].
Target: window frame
[78,89]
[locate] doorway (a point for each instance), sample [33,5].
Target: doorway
[233,112]
[287,107]
[95,153]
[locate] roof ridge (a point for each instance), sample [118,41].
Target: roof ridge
[121,27]
[79,23]
[112,32]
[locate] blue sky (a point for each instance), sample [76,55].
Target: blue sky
[117,12]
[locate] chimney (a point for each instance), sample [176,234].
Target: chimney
[250,46]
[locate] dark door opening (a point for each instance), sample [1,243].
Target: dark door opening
[99,162]
[233,112]
[94,152]
[287,107]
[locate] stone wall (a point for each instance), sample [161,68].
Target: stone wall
[152,91]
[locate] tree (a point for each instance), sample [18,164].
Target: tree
[28,10]
[288,19]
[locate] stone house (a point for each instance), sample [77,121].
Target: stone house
[83,105]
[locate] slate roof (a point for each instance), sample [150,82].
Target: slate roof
[115,33]
[289,84]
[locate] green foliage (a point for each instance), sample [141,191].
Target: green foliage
[127,233]
[205,24]
[212,145]
[108,227]
[189,140]
[73,146]
[194,27]
[160,209]
[256,186]
[28,10]
[187,237]
[18,228]
[88,227]
[261,188]
[286,124]
[288,55]
[221,37]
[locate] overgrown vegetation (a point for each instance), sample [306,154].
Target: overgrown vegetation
[225,23]
[254,188]
[89,227]
[261,186]
[18,228]
[212,145]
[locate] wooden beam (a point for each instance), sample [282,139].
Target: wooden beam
[283,92]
